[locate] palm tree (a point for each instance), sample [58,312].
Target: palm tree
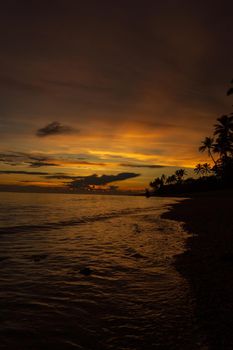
[156,183]
[224,132]
[171,179]
[225,125]
[180,174]
[206,168]
[163,179]
[208,145]
[199,169]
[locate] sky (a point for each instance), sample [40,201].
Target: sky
[109,94]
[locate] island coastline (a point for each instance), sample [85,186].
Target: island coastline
[207,263]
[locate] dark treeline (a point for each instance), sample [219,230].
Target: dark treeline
[219,148]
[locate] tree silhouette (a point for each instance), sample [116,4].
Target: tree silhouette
[199,169]
[171,179]
[207,168]
[224,132]
[218,176]
[180,174]
[208,145]
[203,169]
[156,184]
[221,143]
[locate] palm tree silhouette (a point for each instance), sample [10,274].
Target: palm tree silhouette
[208,145]
[163,179]
[224,132]
[171,179]
[180,174]
[203,169]
[206,168]
[156,183]
[222,172]
[199,169]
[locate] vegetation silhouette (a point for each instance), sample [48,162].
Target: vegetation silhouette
[202,169]
[217,176]
[208,145]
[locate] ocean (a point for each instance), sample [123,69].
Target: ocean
[132,297]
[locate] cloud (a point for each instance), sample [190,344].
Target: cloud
[54,128]
[21,172]
[10,158]
[39,164]
[21,158]
[34,160]
[131,165]
[89,182]
[61,177]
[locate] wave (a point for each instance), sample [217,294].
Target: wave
[47,226]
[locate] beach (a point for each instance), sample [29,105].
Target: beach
[208,262]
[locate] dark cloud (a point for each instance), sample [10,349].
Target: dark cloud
[54,128]
[22,158]
[10,158]
[89,182]
[21,172]
[27,181]
[131,165]
[40,160]
[61,177]
[39,164]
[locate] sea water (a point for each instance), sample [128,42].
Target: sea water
[133,297]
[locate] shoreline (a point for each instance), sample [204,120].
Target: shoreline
[207,263]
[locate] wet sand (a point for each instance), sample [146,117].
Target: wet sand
[208,262]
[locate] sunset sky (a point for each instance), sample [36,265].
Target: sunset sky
[122,89]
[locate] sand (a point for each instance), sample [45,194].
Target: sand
[208,262]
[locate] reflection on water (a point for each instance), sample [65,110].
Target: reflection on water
[133,299]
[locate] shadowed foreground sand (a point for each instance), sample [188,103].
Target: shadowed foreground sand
[208,262]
